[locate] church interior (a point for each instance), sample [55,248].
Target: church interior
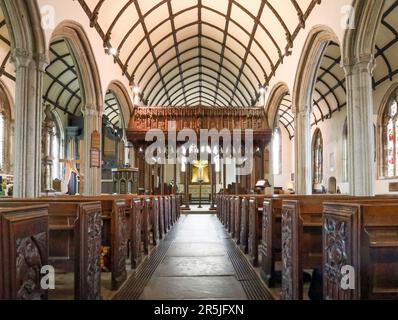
[198,149]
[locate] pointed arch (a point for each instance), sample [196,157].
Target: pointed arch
[360,41]
[87,66]
[306,75]
[24,21]
[273,101]
[124,99]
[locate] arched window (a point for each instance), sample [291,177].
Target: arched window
[317,157]
[390,137]
[277,151]
[5,133]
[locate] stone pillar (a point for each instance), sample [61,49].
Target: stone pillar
[28,122]
[361,146]
[92,175]
[303,176]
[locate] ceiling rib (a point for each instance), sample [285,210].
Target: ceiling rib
[262,63]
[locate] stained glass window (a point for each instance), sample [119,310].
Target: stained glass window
[390,138]
[317,157]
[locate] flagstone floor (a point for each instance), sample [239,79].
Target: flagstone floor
[196,265]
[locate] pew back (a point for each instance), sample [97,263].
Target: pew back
[75,241]
[23,251]
[364,236]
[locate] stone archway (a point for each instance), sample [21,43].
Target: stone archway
[274,102]
[126,104]
[272,106]
[92,109]
[306,76]
[358,60]
[28,48]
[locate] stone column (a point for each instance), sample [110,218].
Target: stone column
[303,170]
[92,175]
[361,146]
[28,122]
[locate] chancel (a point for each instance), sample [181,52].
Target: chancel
[199,150]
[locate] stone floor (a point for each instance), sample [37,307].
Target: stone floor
[196,265]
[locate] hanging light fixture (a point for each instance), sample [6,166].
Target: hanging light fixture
[136,89]
[263,90]
[112,51]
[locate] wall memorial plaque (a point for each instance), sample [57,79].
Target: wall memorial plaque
[95,153]
[95,140]
[95,159]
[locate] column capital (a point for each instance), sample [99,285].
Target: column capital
[43,61]
[21,57]
[302,112]
[363,63]
[90,111]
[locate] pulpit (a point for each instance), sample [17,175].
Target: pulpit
[125,181]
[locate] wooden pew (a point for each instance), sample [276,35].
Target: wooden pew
[23,252]
[255,223]
[244,226]
[115,213]
[155,217]
[218,206]
[364,236]
[231,216]
[237,204]
[135,232]
[74,241]
[302,224]
[271,239]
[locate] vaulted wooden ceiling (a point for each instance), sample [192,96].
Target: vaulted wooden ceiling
[387,45]
[285,114]
[62,87]
[112,112]
[199,52]
[330,89]
[6,68]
